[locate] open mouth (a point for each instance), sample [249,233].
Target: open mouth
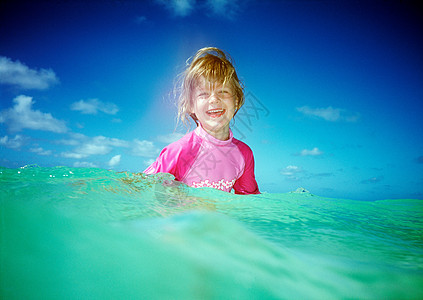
[215,113]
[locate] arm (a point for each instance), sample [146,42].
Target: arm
[165,163]
[176,158]
[247,184]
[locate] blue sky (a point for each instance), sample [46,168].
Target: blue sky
[334,88]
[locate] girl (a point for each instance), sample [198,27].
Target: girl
[209,156]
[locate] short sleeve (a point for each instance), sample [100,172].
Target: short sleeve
[246,184]
[165,163]
[176,158]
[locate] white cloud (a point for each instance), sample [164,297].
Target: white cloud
[144,148]
[329,114]
[372,180]
[84,164]
[75,140]
[41,151]
[114,161]
[14,143]
[92,106]
[314,152]
[22,116]
[169,138]
[75,155]
[86,146]
[93,148]
[17,74]
[225,8]
[149,161]
[140,19]
[296,173]
[180,8]
[292,172]
[183,8]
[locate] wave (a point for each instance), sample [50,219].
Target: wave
[93,233]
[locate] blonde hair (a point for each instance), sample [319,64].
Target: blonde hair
[213,65]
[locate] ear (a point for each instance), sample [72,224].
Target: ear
[191,112]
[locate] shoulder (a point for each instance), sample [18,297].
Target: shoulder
[243,147]
[182,143]
[185,148]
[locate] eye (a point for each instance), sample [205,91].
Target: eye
[203,95]
[225,93]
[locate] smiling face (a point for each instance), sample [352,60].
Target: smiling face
[214,105]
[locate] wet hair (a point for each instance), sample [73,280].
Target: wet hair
[213,65]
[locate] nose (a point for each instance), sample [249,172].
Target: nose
[214,97]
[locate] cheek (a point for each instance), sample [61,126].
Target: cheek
[201,104]
[193,106]
[234,104]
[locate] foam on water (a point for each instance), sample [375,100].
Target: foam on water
[93,233]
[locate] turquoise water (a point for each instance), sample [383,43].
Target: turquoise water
[71,233]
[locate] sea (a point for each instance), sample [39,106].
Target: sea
[89,233]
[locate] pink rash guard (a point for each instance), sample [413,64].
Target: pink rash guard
[200,160]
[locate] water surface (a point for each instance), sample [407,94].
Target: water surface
[92,233]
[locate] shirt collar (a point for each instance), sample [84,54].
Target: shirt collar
[208,137]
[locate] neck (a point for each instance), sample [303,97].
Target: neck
[222,134]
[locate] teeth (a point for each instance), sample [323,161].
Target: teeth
[214,111]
